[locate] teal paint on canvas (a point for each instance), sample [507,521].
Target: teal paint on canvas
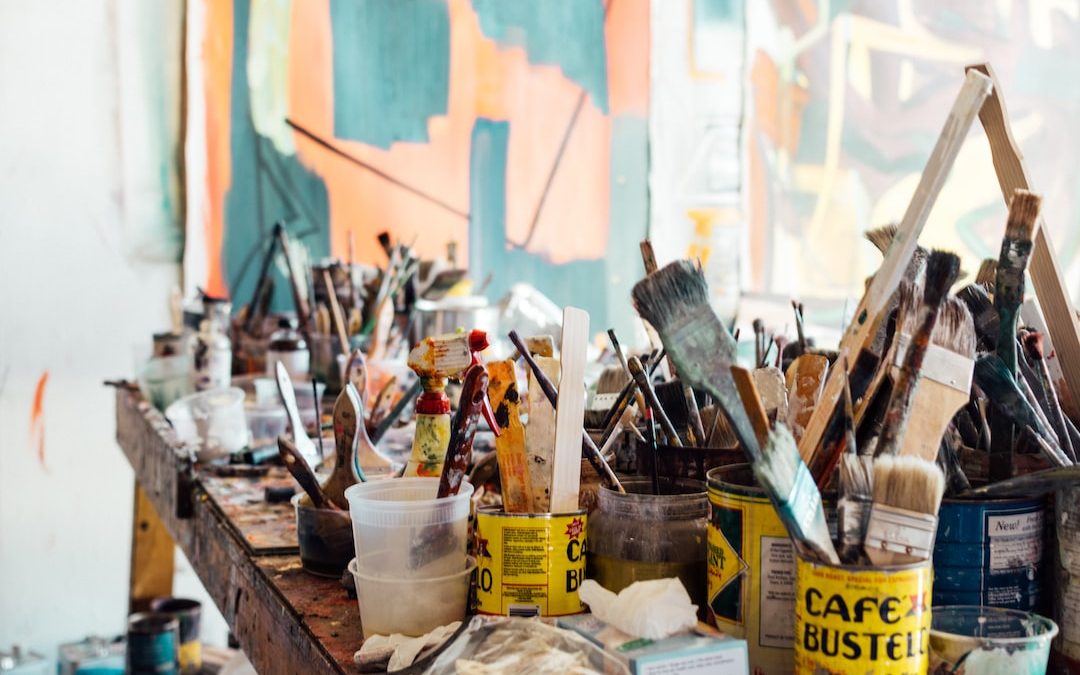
[391,68]
[629,217]
[576,283]
[266,186]
[565,33]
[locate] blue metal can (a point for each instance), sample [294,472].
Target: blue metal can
[153,641]
[990,552]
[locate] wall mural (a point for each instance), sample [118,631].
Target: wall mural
[517,130]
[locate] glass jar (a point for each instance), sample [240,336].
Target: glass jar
[638,536]
[288,346]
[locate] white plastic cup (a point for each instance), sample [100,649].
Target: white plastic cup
[401,531]
[213,419]
[412,607]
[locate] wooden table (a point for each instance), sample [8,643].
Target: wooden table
[286,620]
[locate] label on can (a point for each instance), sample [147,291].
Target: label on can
[862,620]
[751,577]
[529,564]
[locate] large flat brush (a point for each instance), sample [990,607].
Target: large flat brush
[675,300]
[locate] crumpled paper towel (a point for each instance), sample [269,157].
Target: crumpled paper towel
[401,650]
[651,609]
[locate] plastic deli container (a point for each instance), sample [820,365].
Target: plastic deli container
[989,640]
[212,419]
[409,606]
[402,531]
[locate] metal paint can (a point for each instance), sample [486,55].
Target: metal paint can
[529,564]
[853,619]
[1065,657]
[990,552]
[189,614]
[153,639]
[751,570]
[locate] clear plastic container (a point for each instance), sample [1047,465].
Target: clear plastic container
[402,531]
[164,380]
[409,606]
[989,641]
[214,420]
[265,423]
[639,536]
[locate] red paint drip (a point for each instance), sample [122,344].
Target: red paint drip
[37,420]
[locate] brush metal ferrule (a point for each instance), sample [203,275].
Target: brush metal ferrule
[804,499]
[900,531]
[851,514]
[939,364]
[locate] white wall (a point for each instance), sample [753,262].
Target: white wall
[89,242]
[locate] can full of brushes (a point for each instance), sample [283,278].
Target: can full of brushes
[990,552]
[751,570]
[529,564]
[853,619]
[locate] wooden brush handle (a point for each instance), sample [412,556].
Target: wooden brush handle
[303,474]
[751,400]
[459,451]
[335,311]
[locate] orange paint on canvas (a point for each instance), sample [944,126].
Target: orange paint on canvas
[628,57]
[217,69]
[37,419]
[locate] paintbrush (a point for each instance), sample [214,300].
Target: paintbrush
[675,300]
[611,423]
[1033,346]
[335,309]
[903,518]
[301,471]
[510,444]
[297,279]
[1016,248]
[1031,485]
[644,385]
[983,314]
[459,451]
[589,449]
[805,381]
[987,273]
[800,326]
[856,485]
[773,388]
[942,269]
[993,377]
[654,450]
[945,386]
[347,419]
[264,274]
[302,442]
[956,480]
[759,342]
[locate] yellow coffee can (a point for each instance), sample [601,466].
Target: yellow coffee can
[529,564]
[854,620]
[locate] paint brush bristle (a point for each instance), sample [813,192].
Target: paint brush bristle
[983,314]
[955,329]
[612,380]
[942,270]
[672,296]
[987,272]
[1023,215]
[882,237]
[909,483]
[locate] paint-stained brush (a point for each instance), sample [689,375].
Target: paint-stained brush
[301,471]
[993,377]
[856,484]
[510,445]
[1032,484]
[805,381]
[945,386]
[348,417]
[459,451]
[903,518]
[675,300]
[987,272]
[942,269]
[301,440]
[645,387]
[983,314]
[773,388]
[1016,248]
[1033,346]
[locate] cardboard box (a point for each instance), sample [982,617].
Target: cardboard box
[685,654]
